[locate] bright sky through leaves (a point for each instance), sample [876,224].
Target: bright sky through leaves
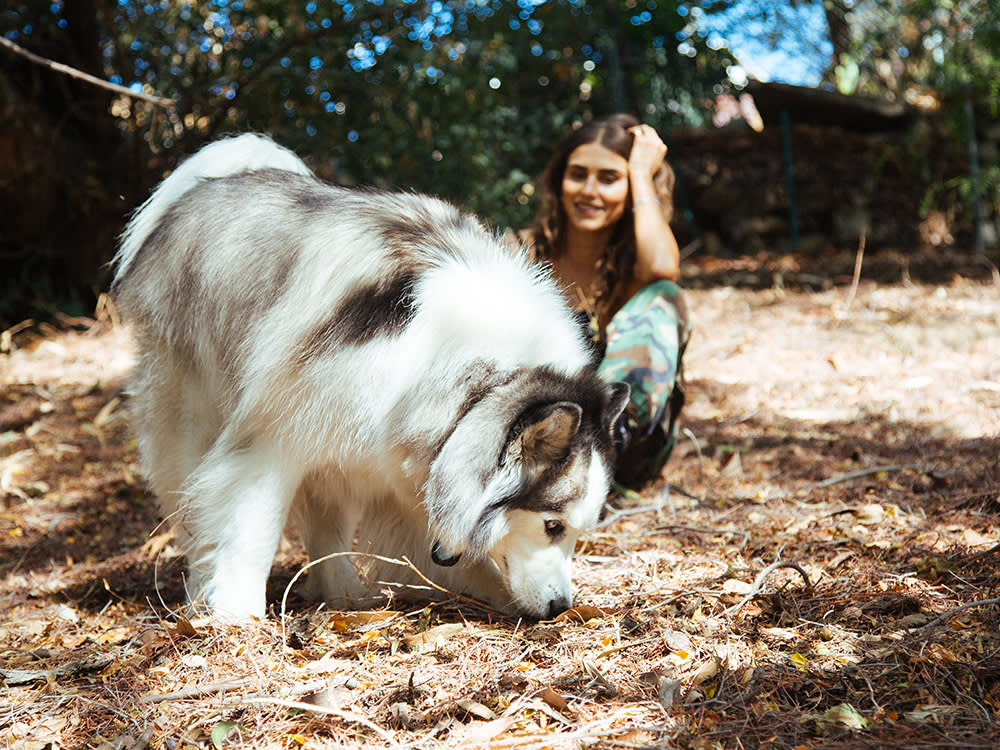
[783,42]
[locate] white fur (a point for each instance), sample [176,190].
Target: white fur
[224,157]
[242,425]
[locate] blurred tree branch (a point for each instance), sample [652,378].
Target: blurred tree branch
[80,75]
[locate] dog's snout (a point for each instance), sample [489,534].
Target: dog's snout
[557,606]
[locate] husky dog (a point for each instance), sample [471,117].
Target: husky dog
[376,367]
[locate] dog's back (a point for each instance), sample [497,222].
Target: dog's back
[322,340]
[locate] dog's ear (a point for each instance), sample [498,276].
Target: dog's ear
[547,436]
[617,401]
[467,487]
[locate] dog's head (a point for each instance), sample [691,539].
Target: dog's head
[524,472]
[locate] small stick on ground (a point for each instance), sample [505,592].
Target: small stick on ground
[945,615]
[862,473]
[196,690]
[759,583]
[70,669]
[405,563]
[858,259]
[313,708]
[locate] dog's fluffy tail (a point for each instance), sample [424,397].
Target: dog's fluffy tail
[243,153]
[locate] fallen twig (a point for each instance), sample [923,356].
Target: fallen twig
[701,530]
[316,709]
[862,473]
[392,561]
[945,615]
[80,666]
[759,583]
[701,464]
[7,337]
[857,276]
[681,491]
[614,514]
[196,690]
[625,646]
[994,271]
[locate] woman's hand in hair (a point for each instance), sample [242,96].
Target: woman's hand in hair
[646,157]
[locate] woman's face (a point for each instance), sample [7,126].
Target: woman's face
[594,187]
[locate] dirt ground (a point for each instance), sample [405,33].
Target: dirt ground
[817,567]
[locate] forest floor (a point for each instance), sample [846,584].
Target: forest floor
[818,567]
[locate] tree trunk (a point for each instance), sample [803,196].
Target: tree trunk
[64,189]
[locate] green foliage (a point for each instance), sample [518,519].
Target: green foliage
[938,55]
[460,98]
[905,47]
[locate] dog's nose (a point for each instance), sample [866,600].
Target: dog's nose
[557,606]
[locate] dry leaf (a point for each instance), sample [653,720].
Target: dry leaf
[35,627]
[400,713]
[839,558]
[64,612]
[933,714]
[634,738]
[785,634]
[581,613]
[911,621]
[350,620]
[194,661]
[935,652]
[183,627]
[733,468]
[706,671]
[482,732]
[974,539]
[429,640]
[543,634]
[476,709]
[666,691]
[736,586]
[679,643]
[156,544]
[845,715]
[112,636]
[933,568]
[870,514]
[330,664]
[553,698]
[104,415]
[332,696]
[829,633]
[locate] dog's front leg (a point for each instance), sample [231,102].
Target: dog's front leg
[235,515]
[327,515]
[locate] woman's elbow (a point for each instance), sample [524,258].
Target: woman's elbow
[662,270]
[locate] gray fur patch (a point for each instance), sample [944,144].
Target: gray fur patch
[479,381]
[412,223]
[379,309]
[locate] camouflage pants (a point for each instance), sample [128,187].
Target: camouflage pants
[645,345]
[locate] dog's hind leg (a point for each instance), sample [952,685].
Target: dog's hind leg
[237,503]
[177,422]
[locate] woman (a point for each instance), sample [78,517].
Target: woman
[603,226]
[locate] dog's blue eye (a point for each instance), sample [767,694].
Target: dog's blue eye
[554,529]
